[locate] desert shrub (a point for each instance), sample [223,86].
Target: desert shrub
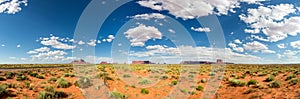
[191,76]
[235,82]
[3,88]
[262,74]
[275,73]
[52,79]
[270,78]
[9,75]
[33,74]
[290,77]
[212,74]
[21,77]
[174,83]
[144,91]
[117,95]
[199,88]
[50,93]
[109,78]
[145,81]
[164,77]
[2,78]
[248,72]
[62,83]
[40,77]
[232,75]
[126,76]
[275,84]
[83,82]
[252,82]
[293,81]
[69,75]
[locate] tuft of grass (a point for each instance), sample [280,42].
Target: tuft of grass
[83,82]
[270,78]
[199,88]
[174,83]
[62,83]
[2,78]
[9,75]
[126,76]
[293,81]
[3,89]
[236,82]
[145,81]
[275,84]
[117,95]
[50,93]
[252,82]
[290,77]
[164,77]
[144,91]
[21,77]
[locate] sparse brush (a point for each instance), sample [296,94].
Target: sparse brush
[9,75]
[174,83]
[235,82]
[199,88]
[293,81]
[275,84]
[164,77]
[144,91]
[83,82]
[252,82]
[62,83]
[270,78]
[290,77]
[126,76]
[3,89]
[145,81]
[2,78]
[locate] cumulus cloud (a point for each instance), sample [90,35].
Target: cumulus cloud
[18,46]
[237,41]
[257,46]
[139,35]
[148,16]
[92,42]
[274,21]
[110,38]
[281,46]
[295,44]
[12,6]
[53,42]
[2,45]
[171,31]
[42,49]
[51,55]
[288,55]
[81,43]
[190,9]
[205,29]
[235,48]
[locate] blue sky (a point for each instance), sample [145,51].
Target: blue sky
[255,31]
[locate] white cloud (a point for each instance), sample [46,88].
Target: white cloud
[295,44]
[149,16]
[2,45]
[110,38]
[18,46]
[235,48]
[257,46]
[51,55]
[171,31]
[42,49]
[272,21]
[97,60]
[139,35]
[190,9]
[205,29]
[53,42]
[92,42]
[253,1]
[288,55]
[81,42]
[281,46]
[11,6]
[237,41]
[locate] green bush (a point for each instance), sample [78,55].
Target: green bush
[3,88]
[126,76]
[50,93]
[290,77]
[69,75]
[9,75]
[33,74]
[145,81]
[164,77]
[52,79]
[174,83]
[83,82]
[275,84]
[21,77]
[293,81]
[40,77]
[199,88]
[203,80]
[235,82]
[117,95]
[270,78]
[62,83]
[144,91]
[252,82]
